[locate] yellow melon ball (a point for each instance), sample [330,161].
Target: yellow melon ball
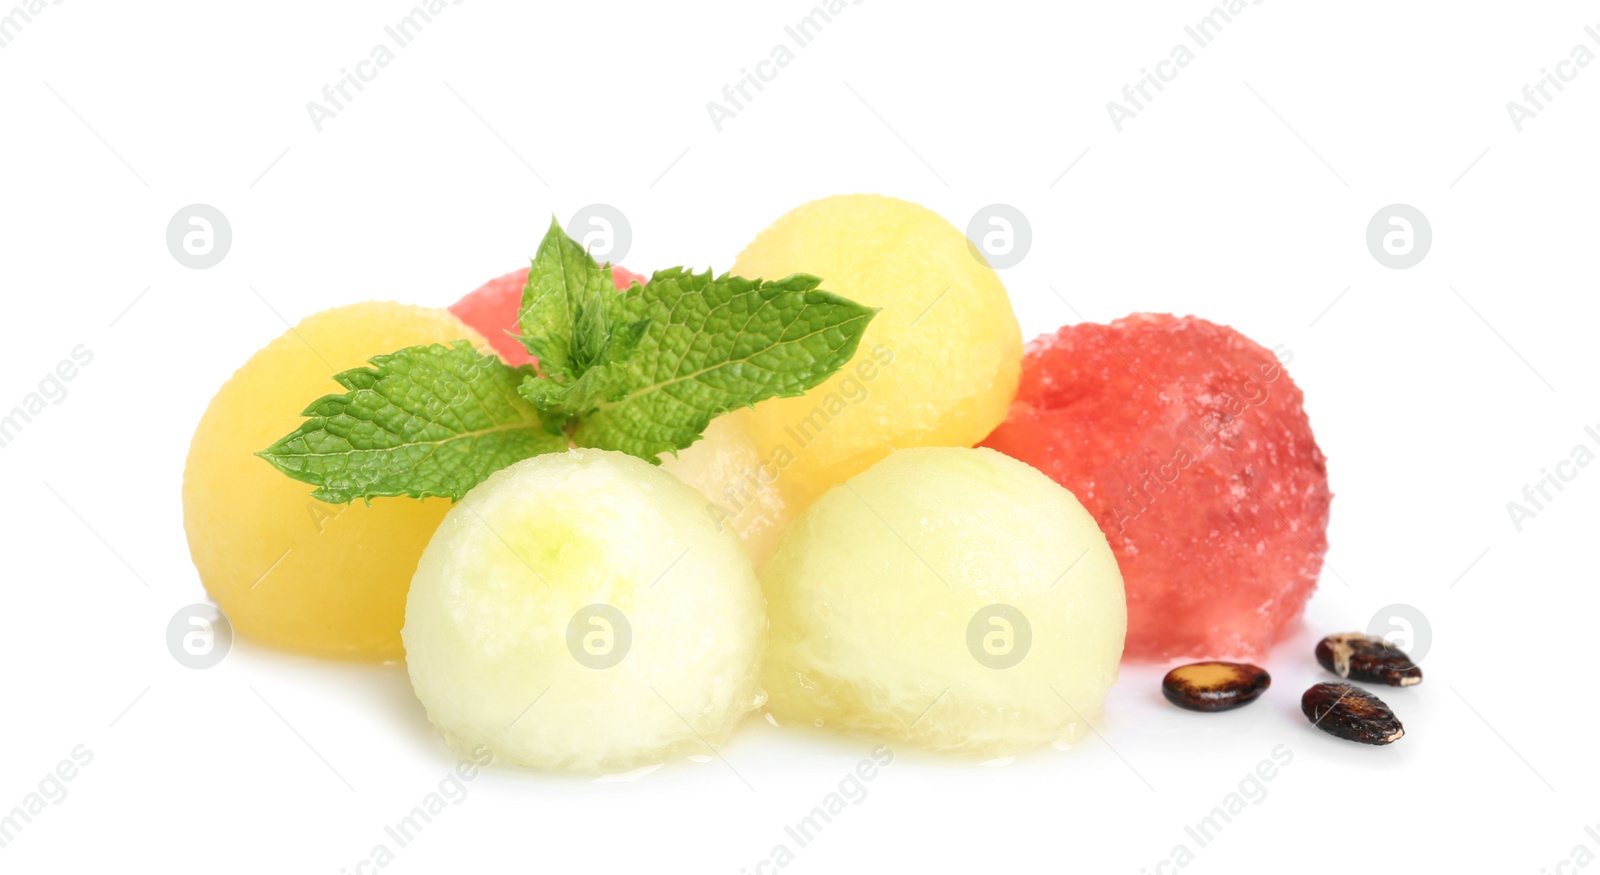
[952,599]
[286,569]
[937,367]
[579,611]
[741,490]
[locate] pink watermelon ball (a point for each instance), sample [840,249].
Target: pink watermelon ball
[491,310]
[1188,443]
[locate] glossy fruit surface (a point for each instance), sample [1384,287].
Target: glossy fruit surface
[1189,443]
[288,570]
[938,365]
[952,599]
[580,611]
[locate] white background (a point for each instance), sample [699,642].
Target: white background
[1437,393]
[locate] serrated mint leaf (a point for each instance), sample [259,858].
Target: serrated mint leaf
[713,344]
[567,306]
[424,421]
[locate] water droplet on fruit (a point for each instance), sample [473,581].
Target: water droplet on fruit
[770,719]
[817,723]
[761,699]
[1061,744]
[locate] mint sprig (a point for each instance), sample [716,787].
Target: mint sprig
[425,421]
[714,344]
[642,371]
[572,318]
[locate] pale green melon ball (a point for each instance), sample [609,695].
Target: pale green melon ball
[952,599]
[582,611]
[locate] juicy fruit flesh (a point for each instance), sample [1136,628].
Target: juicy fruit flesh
[489,622]
[726,468]
[875,596]
[492,310]
[1188,443]
[937,366]
[286,569]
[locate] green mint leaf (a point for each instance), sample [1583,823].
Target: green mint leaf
[625,341]
[712,344]
[567,401]
[579,327]
[602,334]
[424,421]
[641,371]
[568,306]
